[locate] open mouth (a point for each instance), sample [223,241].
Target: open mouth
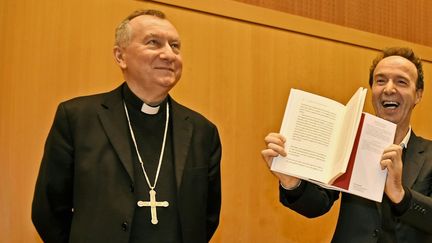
[390,104]
[165,68]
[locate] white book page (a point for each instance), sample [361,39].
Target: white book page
[347,132]
[368,179]
[308,125]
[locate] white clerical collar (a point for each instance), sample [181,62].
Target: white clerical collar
[150,110]
[405,140]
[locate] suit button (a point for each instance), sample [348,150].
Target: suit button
[376,233]
[124,226]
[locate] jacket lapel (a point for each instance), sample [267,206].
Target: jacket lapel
[414,160]
[182,133]
[113,119]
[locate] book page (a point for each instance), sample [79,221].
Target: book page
[308,125]
[368,179]
[347,132]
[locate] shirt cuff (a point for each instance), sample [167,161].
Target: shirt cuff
[401,207]
[292,188]
[293,194]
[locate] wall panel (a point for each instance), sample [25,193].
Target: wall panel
[401,19]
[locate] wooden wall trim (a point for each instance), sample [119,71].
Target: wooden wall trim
[288,22]
[401,19]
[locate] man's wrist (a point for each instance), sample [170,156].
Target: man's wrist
[397,196]
[290,188]
[401,207]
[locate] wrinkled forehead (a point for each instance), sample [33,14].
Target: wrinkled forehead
[396,65]
[146,24]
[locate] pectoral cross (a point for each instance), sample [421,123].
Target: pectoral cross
[153,204]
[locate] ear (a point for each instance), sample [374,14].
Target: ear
[119,56]
[419,95]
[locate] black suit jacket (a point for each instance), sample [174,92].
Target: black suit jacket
[360,220]
[84,187]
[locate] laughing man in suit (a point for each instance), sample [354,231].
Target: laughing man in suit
[405,214]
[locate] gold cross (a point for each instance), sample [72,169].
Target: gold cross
[153,204]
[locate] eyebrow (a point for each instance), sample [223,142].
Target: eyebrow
[160,35]
[383,75]
[151,35]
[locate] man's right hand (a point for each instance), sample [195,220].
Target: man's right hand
[275,147]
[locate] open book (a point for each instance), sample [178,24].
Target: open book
[333,145]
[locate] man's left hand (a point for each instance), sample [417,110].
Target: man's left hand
[392,160]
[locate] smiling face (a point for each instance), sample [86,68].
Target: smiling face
[151,61]
[394,92]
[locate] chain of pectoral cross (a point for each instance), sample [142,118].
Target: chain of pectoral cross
[152,203]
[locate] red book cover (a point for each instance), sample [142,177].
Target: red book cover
[343,181]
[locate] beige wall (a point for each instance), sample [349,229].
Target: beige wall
[237,73]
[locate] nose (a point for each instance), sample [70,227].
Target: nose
[167,53]
[390,87]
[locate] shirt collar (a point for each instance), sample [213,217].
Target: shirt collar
[138,104]
[405,140]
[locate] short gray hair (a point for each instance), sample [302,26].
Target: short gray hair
[123,32]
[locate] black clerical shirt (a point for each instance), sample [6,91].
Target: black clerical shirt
[149,131]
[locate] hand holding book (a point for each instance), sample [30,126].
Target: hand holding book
[275,147]
[333,145]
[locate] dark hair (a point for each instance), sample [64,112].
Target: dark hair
[404,52]
[123,32]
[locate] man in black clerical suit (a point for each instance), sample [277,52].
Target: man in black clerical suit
[405,214]
[131,165]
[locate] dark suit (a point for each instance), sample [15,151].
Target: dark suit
[361,220]
[84,188]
